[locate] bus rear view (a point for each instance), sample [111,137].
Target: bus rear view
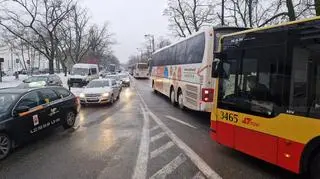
[141,70]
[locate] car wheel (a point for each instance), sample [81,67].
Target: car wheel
[118,97]
[5,145]
[180,100]
[70,120]
[111,100]
[173,102]
[315,167]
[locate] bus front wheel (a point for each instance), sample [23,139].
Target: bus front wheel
[154,89]
[315,167]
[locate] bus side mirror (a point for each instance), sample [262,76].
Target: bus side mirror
[215,68]
[218,65]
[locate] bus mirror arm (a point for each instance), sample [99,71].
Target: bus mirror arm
[218,65]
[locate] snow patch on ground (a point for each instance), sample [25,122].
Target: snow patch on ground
[11,81]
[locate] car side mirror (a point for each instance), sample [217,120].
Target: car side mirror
[24,81]
[51,81]
[21,109]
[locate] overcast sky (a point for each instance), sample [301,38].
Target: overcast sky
[129,20]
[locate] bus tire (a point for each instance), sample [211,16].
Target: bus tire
[314,167]
[154,90]
[180,100]
[172,98]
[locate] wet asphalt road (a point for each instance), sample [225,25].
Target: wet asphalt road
[107,144]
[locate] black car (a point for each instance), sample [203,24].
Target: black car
[26,113]
[47,80]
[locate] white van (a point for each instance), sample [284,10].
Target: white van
[82,73]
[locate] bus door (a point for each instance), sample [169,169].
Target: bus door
[247,98]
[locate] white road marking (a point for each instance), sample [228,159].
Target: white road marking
[198,161]
[154,128]
[195,158]
[198,176]
[181,122]
[161,149]
[140,170]
[158,136]
[170,167]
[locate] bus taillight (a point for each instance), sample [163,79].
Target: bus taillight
[207,94]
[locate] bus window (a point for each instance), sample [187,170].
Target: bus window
[248,88]
[305,82]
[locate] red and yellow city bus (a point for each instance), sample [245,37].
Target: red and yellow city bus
[267,103]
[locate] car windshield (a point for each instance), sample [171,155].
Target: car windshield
[98,84]
[6,99]
[80,71]
[36,79]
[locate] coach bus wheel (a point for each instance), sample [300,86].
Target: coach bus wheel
[173,102]
[154,90]
[315,167]
[180,100]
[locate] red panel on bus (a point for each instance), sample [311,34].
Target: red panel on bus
[257,144]
[225,134]
[289,154]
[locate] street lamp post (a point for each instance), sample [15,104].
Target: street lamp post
[140,50]
[150,36]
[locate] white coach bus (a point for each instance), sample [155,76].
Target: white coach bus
[141,70]
[182,71]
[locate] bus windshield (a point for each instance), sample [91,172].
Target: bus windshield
[80,71]
[142,66]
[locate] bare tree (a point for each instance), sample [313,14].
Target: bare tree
[75,34]
[100,40]
[189,16]
[162,42]
[35,22]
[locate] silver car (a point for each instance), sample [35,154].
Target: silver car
[100,91]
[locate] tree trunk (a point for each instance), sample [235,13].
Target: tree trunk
[291,11]
[58,66]
[317,7]
[250,9]
[51,66]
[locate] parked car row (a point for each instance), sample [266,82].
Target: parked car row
[41,103]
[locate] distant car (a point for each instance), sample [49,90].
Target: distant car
[100,91]
[125,78]
[23,72]
[42,80]
[26,113]
[117,78]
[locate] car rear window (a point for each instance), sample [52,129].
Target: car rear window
[63,93]
[48,95]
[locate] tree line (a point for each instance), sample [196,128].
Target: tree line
[59,30]
[189,16]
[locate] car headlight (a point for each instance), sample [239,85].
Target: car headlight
[105,94]
[82,95]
